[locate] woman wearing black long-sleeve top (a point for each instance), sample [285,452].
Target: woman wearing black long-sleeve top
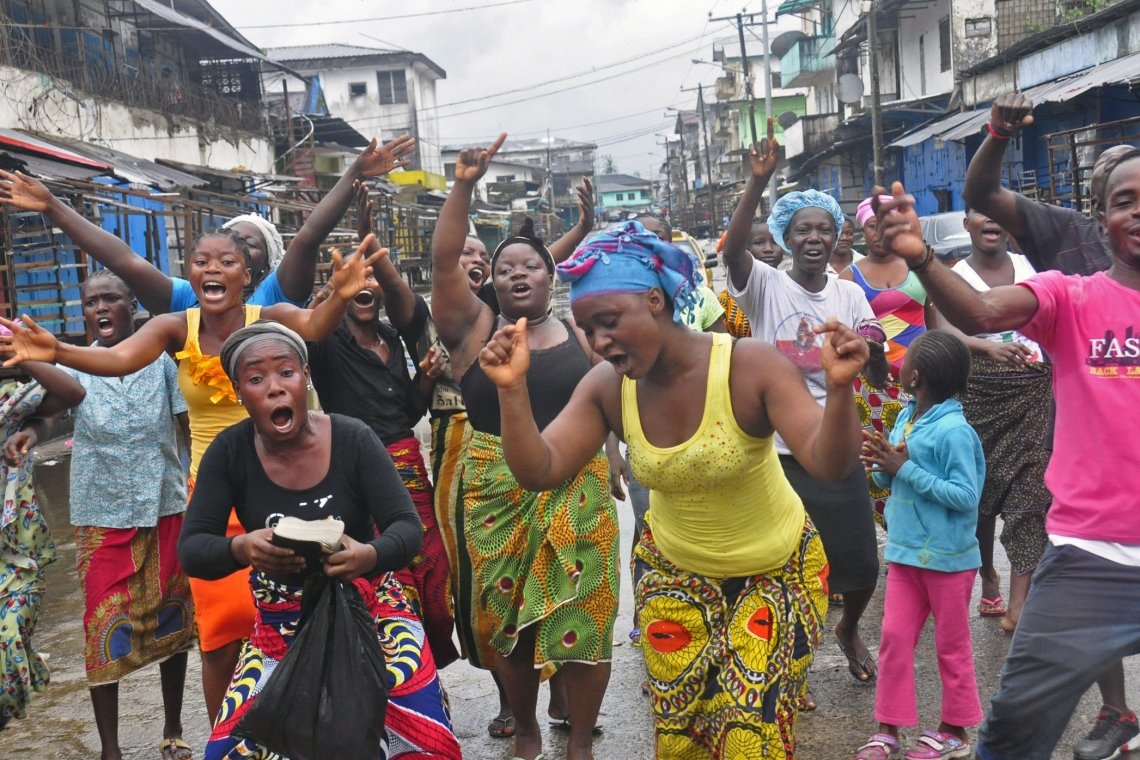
[286,461]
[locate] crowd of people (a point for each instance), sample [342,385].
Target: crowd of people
[767,431]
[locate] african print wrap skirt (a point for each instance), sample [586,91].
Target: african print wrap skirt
[26,548]
[728,658]
[427,580]
[1008,407]
[417,723]
[878,410]
[546,559]
[138,606]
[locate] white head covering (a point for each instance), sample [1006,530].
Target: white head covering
[274,246]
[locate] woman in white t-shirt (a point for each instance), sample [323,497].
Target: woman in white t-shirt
[782,308]
[1005,403]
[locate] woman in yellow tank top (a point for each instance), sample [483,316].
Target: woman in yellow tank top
[736,588]
[218,270]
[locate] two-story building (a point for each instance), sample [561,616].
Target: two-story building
[619,194]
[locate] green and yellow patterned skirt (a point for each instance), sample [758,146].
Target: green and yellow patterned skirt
[728,657]
[545,559]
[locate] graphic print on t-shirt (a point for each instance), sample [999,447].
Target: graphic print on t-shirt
[796,339]
[1115,356]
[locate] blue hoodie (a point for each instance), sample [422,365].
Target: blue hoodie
[932,512]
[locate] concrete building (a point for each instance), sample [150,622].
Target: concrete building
[381,93]
[170,79]
[621,192]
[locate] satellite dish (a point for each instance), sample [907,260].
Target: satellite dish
[783,43]
[787,119]
[850,88]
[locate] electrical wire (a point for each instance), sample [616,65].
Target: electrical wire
[385,18]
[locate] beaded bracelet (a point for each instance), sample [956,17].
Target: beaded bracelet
[926,262]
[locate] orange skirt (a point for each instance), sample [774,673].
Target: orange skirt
[223,608]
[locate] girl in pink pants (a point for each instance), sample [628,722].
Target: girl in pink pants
[935,468]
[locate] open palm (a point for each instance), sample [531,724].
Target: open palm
[28,342]
[375,161]
[23,192]
[350,276]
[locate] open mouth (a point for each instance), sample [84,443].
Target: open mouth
[213,290]
[365,298]
[620,362]
[104,327]
[813,254]
[476,274]
[991,234]
[282,419]
[520,290]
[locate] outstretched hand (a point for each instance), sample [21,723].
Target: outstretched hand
[375,161]
[585,203]
[28,342]
[899,230]
[845,353]
[351,276]
[365,207]
[1011,112]
[765,154]
[880,456]
[24,193]
[472,163]
[506,357]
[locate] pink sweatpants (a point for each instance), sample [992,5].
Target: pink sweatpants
[912,594]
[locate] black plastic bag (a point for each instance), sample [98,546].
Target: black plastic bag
[327,697]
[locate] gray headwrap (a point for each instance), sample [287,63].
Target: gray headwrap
[274,246]
[260,332]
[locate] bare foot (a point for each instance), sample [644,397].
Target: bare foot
[859,660]
[1009,623]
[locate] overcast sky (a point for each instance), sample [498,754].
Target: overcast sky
[524,44]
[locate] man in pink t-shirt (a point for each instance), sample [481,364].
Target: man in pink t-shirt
[1083,611]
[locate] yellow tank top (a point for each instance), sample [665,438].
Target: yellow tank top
[719,504]
[210,398]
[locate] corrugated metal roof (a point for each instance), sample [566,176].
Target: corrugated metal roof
[25,143]
[137,171]
[959,126]
[315,52]
[45,168]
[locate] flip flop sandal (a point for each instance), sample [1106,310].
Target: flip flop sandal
[174,747]
[996,605]
[879,747]
[933,745]
[564,725]
[835,600]
[508,727]
[861,664]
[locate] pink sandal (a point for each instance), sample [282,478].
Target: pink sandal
[879,747]
[933,745]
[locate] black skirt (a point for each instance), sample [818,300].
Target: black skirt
[843,515]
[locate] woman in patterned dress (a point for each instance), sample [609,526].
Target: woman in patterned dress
[731,614]
[26,544]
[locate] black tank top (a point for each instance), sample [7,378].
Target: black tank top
[553,375]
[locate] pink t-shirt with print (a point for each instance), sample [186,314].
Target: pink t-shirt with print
[1090,327]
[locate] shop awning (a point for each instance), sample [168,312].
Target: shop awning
[25,143]
[959,126]
[137,171]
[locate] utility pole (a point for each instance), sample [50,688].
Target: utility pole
[669,182]
[876,106]
[700,88]
[772,182]
[684,168]
[549,177]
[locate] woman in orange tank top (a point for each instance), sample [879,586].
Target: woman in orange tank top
[218,270]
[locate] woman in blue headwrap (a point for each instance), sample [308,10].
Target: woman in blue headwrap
[735,589]
[783,307]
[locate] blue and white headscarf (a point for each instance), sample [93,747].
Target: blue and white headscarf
[787,207]
[629,259]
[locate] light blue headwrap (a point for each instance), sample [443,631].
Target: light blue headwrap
[787,207]
[629,259]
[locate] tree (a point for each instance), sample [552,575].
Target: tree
[610,166]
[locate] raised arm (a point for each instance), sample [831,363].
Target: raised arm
[62,391]
[348,279]
[399,300]
[825,441]
[563,248]
[983,190]
[31,343]
[763,159]
[454,307]
[298,268]
[1003,308]
[541,461]
[152,288]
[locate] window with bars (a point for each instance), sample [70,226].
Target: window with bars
[393,87]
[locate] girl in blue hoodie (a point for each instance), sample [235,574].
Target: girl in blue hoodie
[934,466]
